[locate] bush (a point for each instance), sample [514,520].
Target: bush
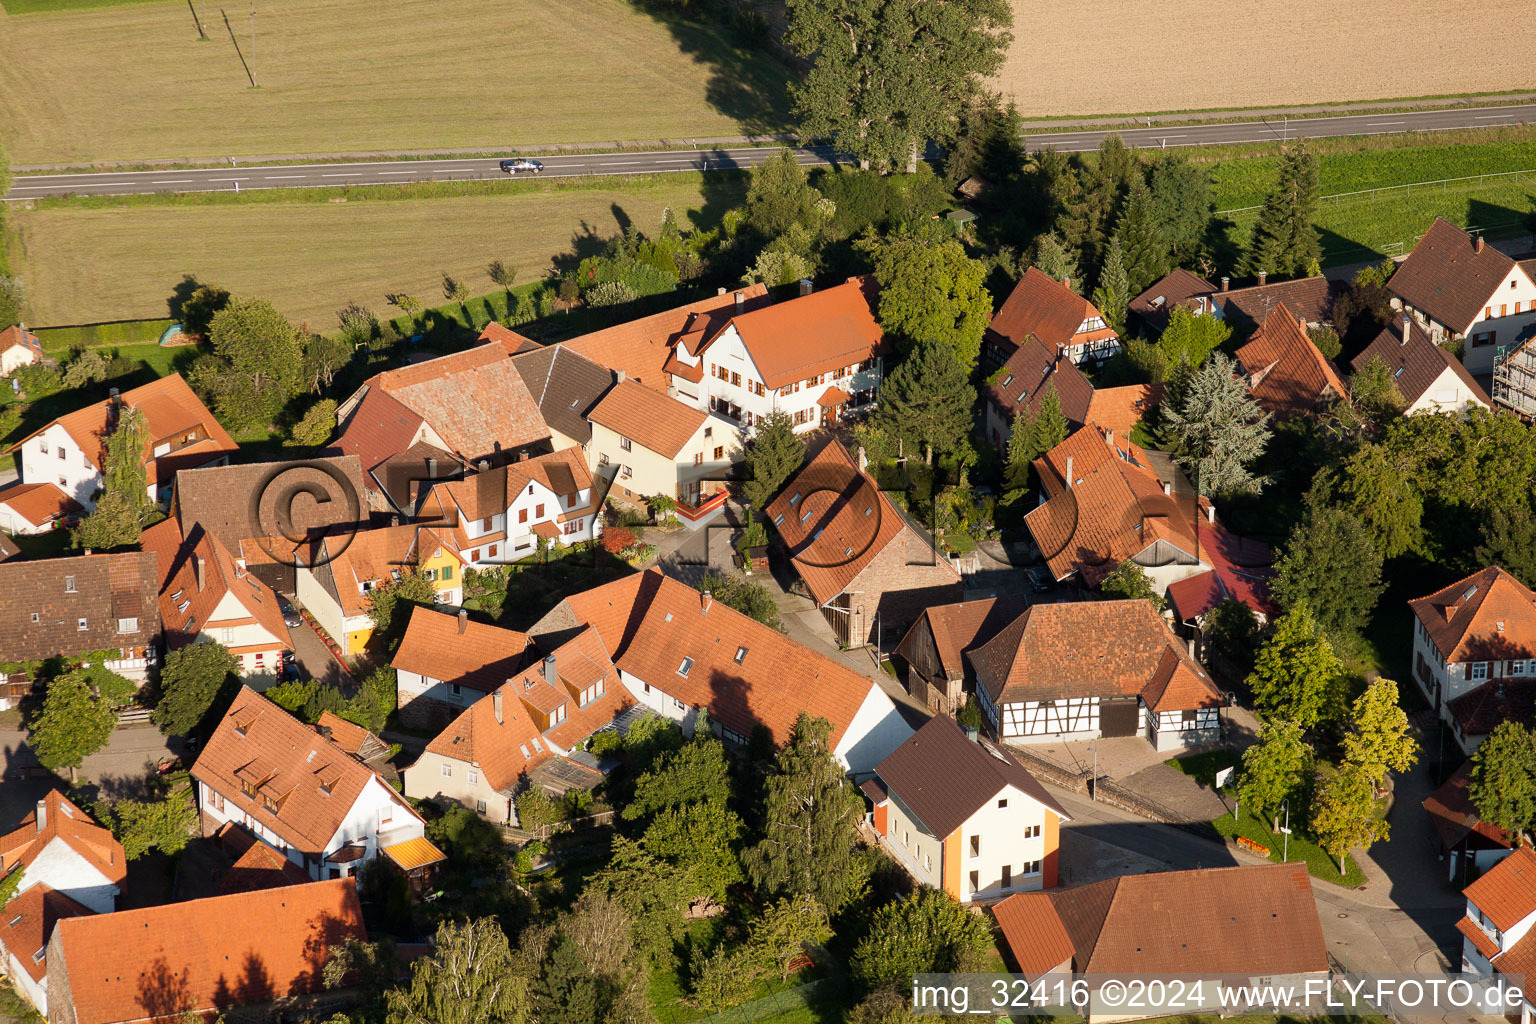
[535,808]
[616,539]
[610,293]
[38,381]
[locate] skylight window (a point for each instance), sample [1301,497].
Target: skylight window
[794,499]
[817,534]
[684,668]
[669,617]
[537,746]
[741,654]
[869,510]
[778,520]
[1470,592]
[1007,380]
[524,748]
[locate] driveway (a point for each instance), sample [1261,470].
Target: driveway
[118,768]
[315,660]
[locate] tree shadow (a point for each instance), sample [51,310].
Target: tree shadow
[1494,220]
[184,290]
[164,992]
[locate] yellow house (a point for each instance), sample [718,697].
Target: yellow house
[335,589]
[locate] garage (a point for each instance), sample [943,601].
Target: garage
[1118,716]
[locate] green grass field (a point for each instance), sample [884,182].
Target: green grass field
[88,262]
[133,81]
[52,6]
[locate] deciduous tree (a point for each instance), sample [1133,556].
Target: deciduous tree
[166,824]
[73,723]
[1503,786]
[696,773]
[1331,563]
[700,839]
[468,976]
[779,196]
[1509,541]
[1378,739]
[1275,769]
[783,932]
[933,291]
[1191,338]
[389,604]
[1374,391]
[1130,580]
[1344,813]
[190,681]
[263,361]
[929,931]
[1296,674]
[315,426]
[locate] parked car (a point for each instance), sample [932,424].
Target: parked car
[521,165]
[291,616]
[1039,579]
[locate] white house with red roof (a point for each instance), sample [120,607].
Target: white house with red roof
[1062,320]
[645,443]
[183,434]
[445,663]
[35,508]
[1496,929]
[18,347]
[679,651]
[813,357]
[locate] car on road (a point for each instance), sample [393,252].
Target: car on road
[1039,579]
[291,616]
[521,165]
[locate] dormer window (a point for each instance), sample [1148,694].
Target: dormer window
[685,667]
[248,788]
[69,585]
[269,803]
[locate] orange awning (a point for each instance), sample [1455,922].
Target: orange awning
[413,853]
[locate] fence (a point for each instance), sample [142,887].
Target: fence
[543,832]
[1438,184]
[772,1005]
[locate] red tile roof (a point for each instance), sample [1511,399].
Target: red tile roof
[944,778]
[260,744]
[1120,409]
[204,954]
[28,923]
[1455,815]
[1480,939]
[812,334]
[1506,892]
[956,628]
[1253,920]
[836,520]
[188,606]
[1093,649]
[1417,362]
[1309,298]
[651,419]
[510,341]
[14,335]
[1478,712]
[641,348]
[378,428]
[1042,306]
[1241,570]
[1488,616]
[102,589]
[258,865]
[68,824]
[1451,276]
[1287,374]
[39,504]
[464,652]
[652,622]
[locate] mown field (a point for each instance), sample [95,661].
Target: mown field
[310,256]
[133,81]
[1144,56]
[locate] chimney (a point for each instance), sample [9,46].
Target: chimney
[551,676]
[1069,472]
[1210,513]
[863,460]
[618,376]
[1262,275]
[706,599]
[1477,244]
[973,734]
[720,290]
[483,466]
[394,520]
[741,303]
[1167,488]
[463,621]
[431,469]
[1066,283]
[496,705]
[42,814]
[1406,327]
[1109,436]
[1191,642]
[113,394]
[202,567]
[1226,283]
[87,552]
[805,287]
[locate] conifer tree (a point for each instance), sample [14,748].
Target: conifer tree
[1056,260]
[1284,242]
[1114,292]
[927,400]
[1145,251]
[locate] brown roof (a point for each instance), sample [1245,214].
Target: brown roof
[957,628]
[1417,363]
[1287,374]
[663,425]
[1488,616]
[204,954]
[378,427]
[39,504]
[1451,276]
[1031,371]
[835,520]
[170,409]
[641,348]
[65,822]
[1043,306]
[463,652]
[187,604]
[371,556]
[259,743]
[1113,508]
[28,922]
[566,386]
[1479,712]
[245,501]
[1036,937]
[944,778]
[1309,298]
[474,400]
[1506,892]
[812,334]
[1180,288]
[8,548]
[106,588]
[1092,649]
[652,622]
[1455,815]
[1251,920]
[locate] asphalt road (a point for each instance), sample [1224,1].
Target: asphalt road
[335,175]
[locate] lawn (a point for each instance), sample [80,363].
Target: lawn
[133,81]
[1319,864]
[1203,767]
[89,262]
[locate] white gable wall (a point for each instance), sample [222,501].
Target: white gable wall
[876,730]
[54,457]
[1002,831]
[62,869]
[1447,394]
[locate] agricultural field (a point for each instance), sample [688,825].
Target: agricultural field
[132,82]
[1145,56]
[310,255]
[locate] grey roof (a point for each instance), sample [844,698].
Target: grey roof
[566,386]
[1417,363]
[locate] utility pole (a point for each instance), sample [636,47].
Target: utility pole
[253,34]
[1285,844]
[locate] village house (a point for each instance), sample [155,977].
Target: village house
[1460,288]
[678,652]
[347,568]
[1256,922]
[1428,377]
[253,864]
[206,592]
[1467,842]
[1496,929]
[645,444]
[255,955]
[30,509]
[68,452]
[302,792]
[963,816]
[28,922]
[566,385]
[933,650]
[499,514]
[1032,371]
[524,734]
[1059,318]
[1086,669]
[99,605]
[869,570]
[1152,309]
[814,358]
[19,347]
[1474,652]
[445,663]
[1286,373]
[1310,300]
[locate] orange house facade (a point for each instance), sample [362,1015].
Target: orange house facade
[962,816]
